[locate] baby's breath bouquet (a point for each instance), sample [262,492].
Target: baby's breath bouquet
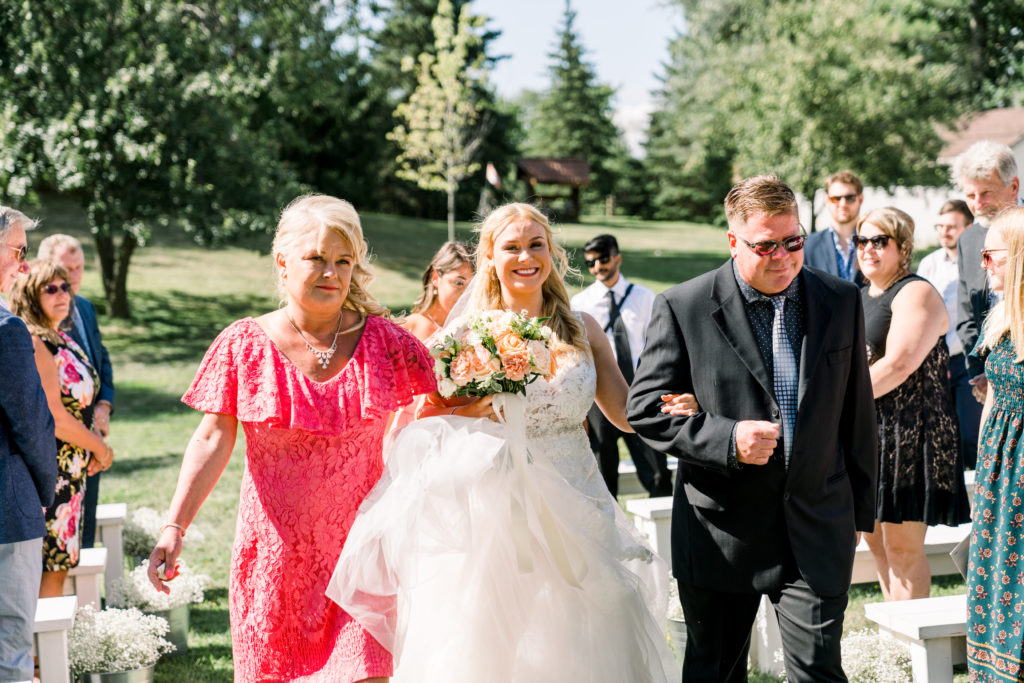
[115,640]
[493,352]
[135,590]
[142,530]
[871,658]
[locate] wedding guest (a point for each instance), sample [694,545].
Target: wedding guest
[313,385]
[995,641]
[444,281]
[920,471]
[28,465]
[67,252]
[43,300]
[623,309]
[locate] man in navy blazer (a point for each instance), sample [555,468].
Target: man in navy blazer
[777,471]
[66,251]
[28,466]
[831,249]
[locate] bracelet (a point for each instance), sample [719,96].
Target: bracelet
[453,410]
[176,526]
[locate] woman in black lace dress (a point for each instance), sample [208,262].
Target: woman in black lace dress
[920,470]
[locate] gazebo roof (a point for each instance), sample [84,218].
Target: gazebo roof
[999,125]
[555,171]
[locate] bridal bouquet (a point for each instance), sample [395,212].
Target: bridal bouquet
[492,352]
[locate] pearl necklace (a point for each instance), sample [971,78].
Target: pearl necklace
[322,357]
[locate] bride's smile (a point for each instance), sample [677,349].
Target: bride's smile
[522,259]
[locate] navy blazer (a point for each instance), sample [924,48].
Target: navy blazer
[820,253]
[733,528]
[28,449]
[98,356]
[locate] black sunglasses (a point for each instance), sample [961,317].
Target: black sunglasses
[876,242]
[53,289]
[768,247]
[22,252]
[591,262]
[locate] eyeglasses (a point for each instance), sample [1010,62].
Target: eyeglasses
[53,289]
[22,252]
[591,262]
[849,198]
[986,257]
[877,242]
[942,227]
[768,247]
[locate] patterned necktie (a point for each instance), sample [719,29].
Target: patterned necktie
[623,355]
[785,374]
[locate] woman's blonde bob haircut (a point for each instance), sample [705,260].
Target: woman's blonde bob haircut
[312,215]
[899,226]
[1008,314]
[567,330]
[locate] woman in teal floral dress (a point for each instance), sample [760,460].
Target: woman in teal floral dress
[43,300]
[995,569]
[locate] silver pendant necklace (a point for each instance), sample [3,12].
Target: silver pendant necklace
[323,358]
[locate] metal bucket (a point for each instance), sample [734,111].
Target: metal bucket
[133,676]
[178,619]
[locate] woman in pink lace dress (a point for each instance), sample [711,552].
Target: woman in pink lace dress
[313,385]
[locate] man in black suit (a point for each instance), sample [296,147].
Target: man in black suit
[777,473]
[987,173]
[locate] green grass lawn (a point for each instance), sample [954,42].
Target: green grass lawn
[182,296]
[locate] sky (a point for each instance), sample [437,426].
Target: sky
[626,42]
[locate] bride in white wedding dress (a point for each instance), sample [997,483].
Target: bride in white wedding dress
[491,550]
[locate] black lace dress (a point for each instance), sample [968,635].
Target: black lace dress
[920,470]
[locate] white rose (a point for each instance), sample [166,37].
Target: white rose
[439,367]
[446,387]
[545,332]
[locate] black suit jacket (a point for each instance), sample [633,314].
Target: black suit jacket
[972,294]
[733,528]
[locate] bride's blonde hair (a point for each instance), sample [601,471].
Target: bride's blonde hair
[567,330]
[1008,314]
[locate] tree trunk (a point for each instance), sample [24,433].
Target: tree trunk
[114,262]
[452,187]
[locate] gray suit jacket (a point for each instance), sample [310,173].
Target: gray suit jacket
[735,529]
[972,294]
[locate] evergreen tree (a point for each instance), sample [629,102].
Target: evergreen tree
[573,117]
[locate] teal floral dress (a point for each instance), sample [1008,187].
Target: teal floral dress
[78,384]
[995,569]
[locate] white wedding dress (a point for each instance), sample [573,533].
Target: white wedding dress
[493,553]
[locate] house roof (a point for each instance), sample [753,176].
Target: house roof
[1005,126]
[555,171]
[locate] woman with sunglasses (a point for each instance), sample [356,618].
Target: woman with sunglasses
[43,300]
[995,641]
[920,471]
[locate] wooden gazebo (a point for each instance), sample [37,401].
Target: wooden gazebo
[564,172]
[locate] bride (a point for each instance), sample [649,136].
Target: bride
[491,549]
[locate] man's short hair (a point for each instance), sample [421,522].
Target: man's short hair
[602,244]
[980,159]
[10,217]
[52,245]
[846,177]
[764,194]
[958,206]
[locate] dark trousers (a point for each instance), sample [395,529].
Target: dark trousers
[968,410]
[718,633]
[651,466]
[89,502]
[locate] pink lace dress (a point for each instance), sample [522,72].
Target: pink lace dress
[313,452]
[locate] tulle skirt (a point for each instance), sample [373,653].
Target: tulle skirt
[474,560]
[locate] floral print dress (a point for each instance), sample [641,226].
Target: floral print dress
[78,383]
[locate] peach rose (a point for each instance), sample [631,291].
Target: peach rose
[483,363]
[461,369]
[540,357]
[517,364]
[508,341]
